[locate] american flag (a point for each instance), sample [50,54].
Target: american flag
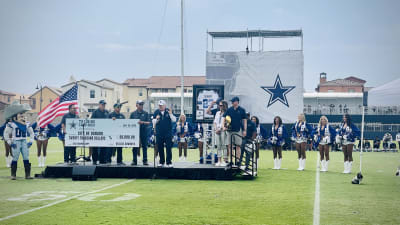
[59,106]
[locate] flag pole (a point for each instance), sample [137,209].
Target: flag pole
[77,96]
[182,68]
[358,178]
[362,136]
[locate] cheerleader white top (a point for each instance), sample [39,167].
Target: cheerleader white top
[279,134]
[182,130]
[301,131]
[324,135]
[349,133]
[15,131]
[42,133]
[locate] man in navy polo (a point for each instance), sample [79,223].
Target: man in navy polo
[238,121]
[69,151]
[144,122]
[163,118]
[118,150]
[100,153]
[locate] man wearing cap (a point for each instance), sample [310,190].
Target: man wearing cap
[69,151]
[116,115]
[100,153]
[144,122]
[238,121]
[163,119]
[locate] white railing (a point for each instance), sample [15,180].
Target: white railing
[369,110]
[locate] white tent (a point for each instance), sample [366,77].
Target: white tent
[385,95]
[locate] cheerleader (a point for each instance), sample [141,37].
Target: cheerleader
[42,135]
[277,140]
[6,145]
[261,134]
[347,134]
[198,134]
[323,137]
[221,134]
[182,130]
[16,134]
[300,134]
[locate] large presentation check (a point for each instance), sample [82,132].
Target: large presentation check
[102,132]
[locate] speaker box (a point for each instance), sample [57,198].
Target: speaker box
[84,173]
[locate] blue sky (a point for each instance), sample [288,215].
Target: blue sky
[47,41]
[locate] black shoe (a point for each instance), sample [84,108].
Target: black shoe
[145,163]
[134,164]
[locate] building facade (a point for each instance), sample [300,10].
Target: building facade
[90,93]
[42,97]
[348,84]
[6,98]
[167,88]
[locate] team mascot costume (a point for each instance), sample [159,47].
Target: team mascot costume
[16,134]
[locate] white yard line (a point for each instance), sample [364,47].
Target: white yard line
[316,198]
[63,200]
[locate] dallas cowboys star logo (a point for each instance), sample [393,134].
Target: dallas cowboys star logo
[73,125]
[278,92]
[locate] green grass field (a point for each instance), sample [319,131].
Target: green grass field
[274,197]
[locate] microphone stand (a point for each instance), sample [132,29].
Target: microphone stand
[84,135]
[84,144]
[155,153]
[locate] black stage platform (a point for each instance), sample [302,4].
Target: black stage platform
[181,170]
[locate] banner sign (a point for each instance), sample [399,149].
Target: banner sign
[102,133]
[268,84]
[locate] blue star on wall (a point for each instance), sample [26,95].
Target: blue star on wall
[278,92]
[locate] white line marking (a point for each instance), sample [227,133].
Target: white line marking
[63,200]
[316,198]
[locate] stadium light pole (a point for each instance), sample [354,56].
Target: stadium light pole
[182,68]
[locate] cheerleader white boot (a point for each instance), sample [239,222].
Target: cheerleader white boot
[39,159]
[326,165]
[279,161]
[275,164]
[303,164]
[345,166]
[322,165]
[43,161]
[350,163]
[300,164]
[8,162]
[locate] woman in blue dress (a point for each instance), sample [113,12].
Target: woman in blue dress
[347,136]
[277,140]
[323,137]
[42,135]
[301,132]
[182,130]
